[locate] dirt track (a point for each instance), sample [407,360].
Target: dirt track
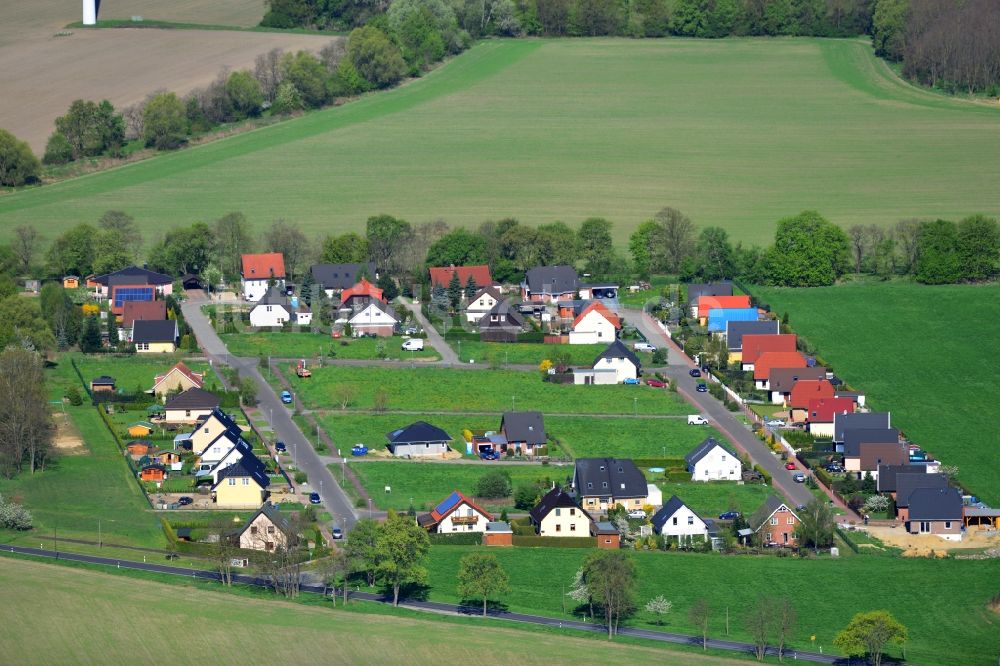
[42,74]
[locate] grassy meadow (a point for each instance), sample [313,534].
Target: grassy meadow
[309,345]
[132,372]
[735,132]
[926,354]
[523,353]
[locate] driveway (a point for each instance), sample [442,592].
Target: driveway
[448,355]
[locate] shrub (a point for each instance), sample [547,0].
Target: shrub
[18,165]
[462,539]
[14,516]
[554,542]
[73,395]
[525,496]
[493,484]
[301,477]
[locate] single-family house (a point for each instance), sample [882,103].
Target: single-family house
[134,311]
[498,533]
[607,535]
[936,511]
[356,297]
[242,486]
[189,406]
[908,482]
[888,476]
[612,366]
[676,519]
[259,272]
[550,284]
[754,345]
[456,513]
[524,431]
[603,483]
[418,440]
[866,449]
[768,361]
[558,515]
[735,330]
[482,302]
[857,421]
[133,276]
[710,461]
[138,448]
[708,303]
[210,428]
[775,523]
[102,384]
[719,318]
[153,472]
[594,325]
[241,449]
[71,282]
[140,429]
[121,290]
[155,337]
[269,530]
[856,396]
[821,412]
[805,390]
[334,278]
[480,275]
[501,324]
[374,318]
[696,290]
[178,378]
[274,308]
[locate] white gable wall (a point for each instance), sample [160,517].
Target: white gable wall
[594,328]
[717,465]
[684,523]
[460,520]
[254,290]
[623,368]
[372,316]
[268,315]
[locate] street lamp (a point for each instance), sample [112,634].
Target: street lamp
[369,508]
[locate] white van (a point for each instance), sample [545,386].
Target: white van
[413,344]
[697,419]
[644,347]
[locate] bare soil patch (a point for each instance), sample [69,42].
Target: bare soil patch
[915,545]
[67,438]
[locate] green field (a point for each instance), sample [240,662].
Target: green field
[131,372]
[942,602]
[734,132]
[524,353]
[83,616]
[926,354]
[309,345]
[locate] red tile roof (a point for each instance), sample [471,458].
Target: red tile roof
[439,516]
[805,390]
[442,275]
[601,308]
[755,345]
[143,310]
[363,288]
[263,266]
[821,410]
[706,303]
[769,360]
[197,377]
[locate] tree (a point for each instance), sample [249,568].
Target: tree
[305,71]
[267,71]
[111,252]
[868,633]
[375,57]
[868,483]
[336,570]
[346,80]
[388,287]
[57,150]
[889,28]
[659,606]
[64,318]
[244,94]
[938,258]
[112,324]
[91,128]
[758,624]
[164,121]
[784,623]
[18,165]
[494,484]
[72,252]
[349,248]
[223,547]
[288,239]
[287,100]
[816,524]
[90,338]
[13,516]
[808,251]
[715,257]
[124,224]
[233,239]
[283,565]
[25,246]
[25,421]
[978,247]
[22,324]
[858,245]
[610,577]
[400,549]
[595,245]
[361,547]
[248,392]
[677,237]
[525,496]
[645,247]
[480,576]
[184,250]
[386,236]
[458,248]
[454,291]
[580,593]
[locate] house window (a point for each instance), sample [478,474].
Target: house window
[769,539]
[774,520]
[558,528]
[270,529]
[232,482]
[925,527]
[246,482]
[269,545]
[791,520]
[947,524]
[572,512]
[723,458]
[142,346]
[675,520]
[690,520]
[605,484]
[253,529]
[558,512]
[589,485]
[267,308]
[572,527]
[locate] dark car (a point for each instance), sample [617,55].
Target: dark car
[314,498]
[729,515]
[694,372]
[337,533]
[702,388]
[280,447]
[185,501]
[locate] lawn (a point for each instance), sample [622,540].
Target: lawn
[310,345]
[131,372]
[709,499]
[948,620]
[571,129]
[432,389]
[524,353]
[88,606]
[926,354]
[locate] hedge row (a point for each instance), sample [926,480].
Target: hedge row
[764,473]
[461,539]
[554,542]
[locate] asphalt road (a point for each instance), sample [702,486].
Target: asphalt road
[448,355]
[279,416]
[438,607]
[725,421]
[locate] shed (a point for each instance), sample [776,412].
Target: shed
[607,535]
[498,533]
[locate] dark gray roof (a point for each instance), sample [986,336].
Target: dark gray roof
[133,275]
[419,432]
[608,477]
[339,276]
[249,465]
[280,519]
[147,330]
[491,290]
[617,349]
[735,330]
[670,508]
[842,422]
[378,305]
[510,317]
[783,379]
[524,427]
[275,295]
[700,451]
[555,498]
[907,483]
[193,398]
[553,280]
[935,504]
[103,380]
[770,505]
[887,475]
[697,290]
[855,437]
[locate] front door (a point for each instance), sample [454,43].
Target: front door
[784,536]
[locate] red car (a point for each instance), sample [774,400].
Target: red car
[655,383]
[790,465]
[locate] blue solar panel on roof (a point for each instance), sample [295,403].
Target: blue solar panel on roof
[449,503]
[395,433]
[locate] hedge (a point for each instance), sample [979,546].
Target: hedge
[764,473]
[846,539]
[460,539]
[554,542]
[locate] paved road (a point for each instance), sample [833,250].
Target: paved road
[279,416]
[448,355]
[437,607]
[724,420]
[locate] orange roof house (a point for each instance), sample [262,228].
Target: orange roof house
[362,288]
[143,311]
[755,345]
[769,360]
[601,309]
[441,276]
[707,303]
[805,390]
[263,266]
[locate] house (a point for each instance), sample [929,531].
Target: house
[618,358]
[134,311]
[133,276]
[907,483]
[602,483]
[888,476]
[498,533]
[356,297]
[137,449]
[856,396]
[189,406]
[524,431]
[550,284]
[754,345]
[866,449]
[595,324]
[457,513]
[374,318]
[821,412]
[936,511]
[169,459]
[419,439]
[274,308]
[482,302]
[178,378]
[775,523]
[71,282]
[480,274]
[218,442]
[735,330]
[768,361]
[241,486]
[708,303]
[501,324]
[696,290]
[268,530]
[239,450]
[805,390]
[210,429]
[141,429]
[607,535]
[856,421]
[676,519]
[557,515]
[335,278]
[155,337]
[719,318]
[259,271]
[102,384]
[710,461]
[153,472]
[783,380]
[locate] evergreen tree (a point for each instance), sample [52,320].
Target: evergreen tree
[388,287]
[471,287]
[454,291]
[306,289]
[90,338]
[112,329]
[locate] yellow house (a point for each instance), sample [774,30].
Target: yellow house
[210,429]
[268,530]
[140,430]
[155,336]
[178,378]
[557,515]
[242,485]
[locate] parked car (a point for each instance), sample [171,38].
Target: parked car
[799,477]
[697,419]
[413,344]
[834,468]
[644,347]
[774,423]
[694,372]
[185,501]
[631,381]
[286,397]
[789,465]
[337,533]
[489,454]
[314,498]
[655,383]
[729,515]
[637,513]
[359,450]
[280,447]
[411,330]
[702,388]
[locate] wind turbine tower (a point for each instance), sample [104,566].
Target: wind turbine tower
[89,12]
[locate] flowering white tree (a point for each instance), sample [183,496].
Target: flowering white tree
[659,606]
[876,503]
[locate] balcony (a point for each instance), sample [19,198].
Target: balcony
[464,520]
